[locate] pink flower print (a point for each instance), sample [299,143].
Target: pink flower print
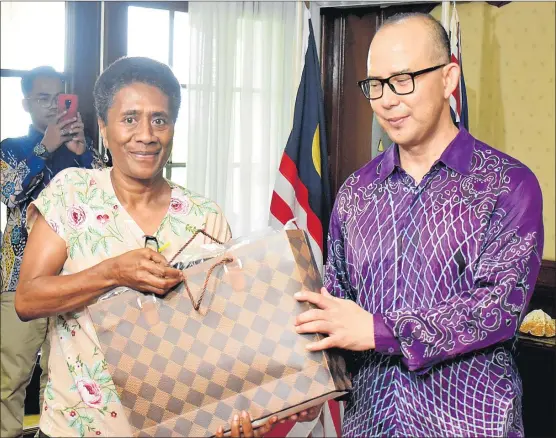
[89,392]
[92,182]
[115,207]
[76,217]
[103,218]
[72,414]
[179,206]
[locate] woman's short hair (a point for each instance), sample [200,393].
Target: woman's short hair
[128,70]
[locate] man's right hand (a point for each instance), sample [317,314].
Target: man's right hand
[144,270]
[58,133]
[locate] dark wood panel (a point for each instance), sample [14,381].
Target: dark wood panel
[115,32]
[83,58]
[536,364]
[346,38]
[547,274]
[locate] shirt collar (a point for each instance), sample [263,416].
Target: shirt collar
[457,156]
[34,133]
[390,159]
[459,153]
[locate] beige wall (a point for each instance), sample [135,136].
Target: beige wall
[508,61]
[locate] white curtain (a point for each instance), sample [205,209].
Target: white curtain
[245,66]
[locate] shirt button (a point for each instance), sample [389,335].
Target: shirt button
[390,350]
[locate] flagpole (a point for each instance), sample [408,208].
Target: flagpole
[445,18]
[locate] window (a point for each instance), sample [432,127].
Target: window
[32,34]
[22,51]
[162,34]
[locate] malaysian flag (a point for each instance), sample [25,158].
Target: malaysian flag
[458,99]
[302,189]
[302,192]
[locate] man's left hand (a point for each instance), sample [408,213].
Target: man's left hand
[347,325]
[77,144]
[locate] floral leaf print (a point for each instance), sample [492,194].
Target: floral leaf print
[174,222]
[82,197]
[91,195]
[79,420]
[104,379]
[94,247]
[93,231]
[190,228]
[96,369]
[107,199]
[73,243]
[82,181]
[109,397]
[203,207]
[48,390]
[46,203]
[60,198]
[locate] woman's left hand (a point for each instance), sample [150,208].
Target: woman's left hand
[242,427]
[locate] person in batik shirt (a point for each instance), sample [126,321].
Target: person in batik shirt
[433,252]
[27,165]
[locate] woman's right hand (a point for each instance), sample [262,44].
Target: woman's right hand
[144,270]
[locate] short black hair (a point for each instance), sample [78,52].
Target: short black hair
[128,70]
[438,33]
[29,77]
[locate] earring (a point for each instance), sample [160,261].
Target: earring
[105,158]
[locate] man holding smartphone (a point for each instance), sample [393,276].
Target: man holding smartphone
[27,165]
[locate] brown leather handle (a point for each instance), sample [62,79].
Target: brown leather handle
[197,304]
[195,234]
[224,261]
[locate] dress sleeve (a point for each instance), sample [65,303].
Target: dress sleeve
[217,226]
[52,203]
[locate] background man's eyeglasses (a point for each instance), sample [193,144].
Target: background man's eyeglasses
[45,101]
[401,83]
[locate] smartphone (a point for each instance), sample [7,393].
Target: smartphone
[67,102]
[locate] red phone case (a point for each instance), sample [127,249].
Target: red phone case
[69,102]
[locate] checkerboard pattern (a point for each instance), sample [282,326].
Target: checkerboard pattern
[181,372]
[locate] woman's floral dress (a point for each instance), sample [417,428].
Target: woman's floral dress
[81,207]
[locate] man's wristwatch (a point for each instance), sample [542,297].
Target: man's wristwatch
[41,151]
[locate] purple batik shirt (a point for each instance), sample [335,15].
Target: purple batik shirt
[447,268]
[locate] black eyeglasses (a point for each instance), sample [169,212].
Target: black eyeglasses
[400,83]
[151,242]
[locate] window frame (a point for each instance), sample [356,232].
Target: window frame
[16,73]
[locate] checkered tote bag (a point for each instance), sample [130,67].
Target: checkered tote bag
[221,342]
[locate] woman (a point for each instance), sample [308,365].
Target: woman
[87,236]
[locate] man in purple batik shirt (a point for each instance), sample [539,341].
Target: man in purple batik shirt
[433,253]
